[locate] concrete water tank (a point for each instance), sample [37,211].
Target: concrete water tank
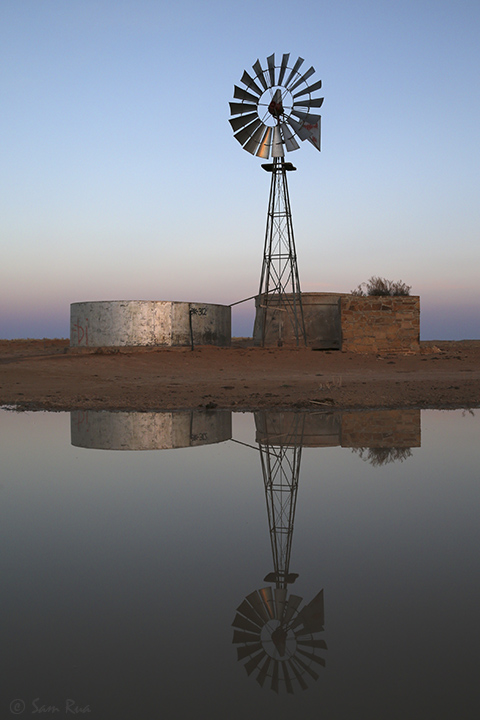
[116,323]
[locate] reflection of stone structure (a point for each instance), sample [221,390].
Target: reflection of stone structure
[381,429]
[361,428]
[149,430]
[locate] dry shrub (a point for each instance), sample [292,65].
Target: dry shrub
[383,287]
[382,456]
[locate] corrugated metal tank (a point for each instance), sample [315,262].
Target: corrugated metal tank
[116,323]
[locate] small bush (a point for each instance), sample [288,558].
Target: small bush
[382,456]
[380,286]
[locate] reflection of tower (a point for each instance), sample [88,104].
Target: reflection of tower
[277,638]
[281,470]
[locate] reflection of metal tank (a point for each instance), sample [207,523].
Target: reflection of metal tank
[106,430]
[321,429]
[120,323]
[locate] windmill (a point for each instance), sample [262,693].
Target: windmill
[275,635]
[275,108]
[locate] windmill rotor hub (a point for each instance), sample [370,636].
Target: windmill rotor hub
[278,642]
[276,109]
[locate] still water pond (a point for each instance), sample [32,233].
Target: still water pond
[240,566]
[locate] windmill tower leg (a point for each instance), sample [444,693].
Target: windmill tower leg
[279,309]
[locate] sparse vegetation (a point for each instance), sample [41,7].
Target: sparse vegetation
[382,456]
[381,286]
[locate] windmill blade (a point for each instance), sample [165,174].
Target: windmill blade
[312,102]
[280,598]
[242,94]
[305,117]
[277,145]
[267,597]
[252,145]
[283,67]
[264,148]
[298,676]
[304,78]
[314,658]
[243,135]
[294,71]
[242,120]
[247,650]
[275,676]
[263,671]
[256,602]
[259,74]
[246,609]
[306,668]
[315,643]
[271,68]
[250,83]
[309,89]
[286,677]
[244,637]
[253,662]
[288,138]
[240,108]
[292,605]
[243,624]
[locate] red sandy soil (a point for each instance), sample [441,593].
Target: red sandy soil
[49,375]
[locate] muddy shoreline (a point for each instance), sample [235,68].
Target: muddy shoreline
[49,375]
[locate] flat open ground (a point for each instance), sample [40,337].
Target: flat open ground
[48,375]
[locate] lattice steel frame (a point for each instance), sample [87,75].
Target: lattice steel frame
[279,280]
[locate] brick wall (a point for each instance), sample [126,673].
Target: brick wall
[380,324]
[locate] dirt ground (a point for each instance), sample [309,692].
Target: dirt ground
[49,375]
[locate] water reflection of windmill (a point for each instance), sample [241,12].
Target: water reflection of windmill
[278,639]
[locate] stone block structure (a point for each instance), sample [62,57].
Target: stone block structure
[374,324]
[337,321]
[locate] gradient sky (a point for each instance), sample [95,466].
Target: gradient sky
[121,179]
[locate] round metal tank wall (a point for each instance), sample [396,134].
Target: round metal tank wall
[148,322]
[106,430]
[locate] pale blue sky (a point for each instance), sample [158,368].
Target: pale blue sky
[120,177]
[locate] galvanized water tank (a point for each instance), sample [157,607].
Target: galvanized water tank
[117,323]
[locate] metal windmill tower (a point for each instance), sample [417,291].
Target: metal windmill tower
[275,107]
[279,639]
